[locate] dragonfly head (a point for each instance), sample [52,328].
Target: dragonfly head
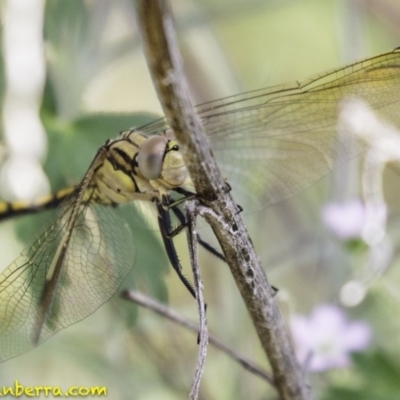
[160,158]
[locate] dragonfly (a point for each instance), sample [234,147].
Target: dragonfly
[270,144]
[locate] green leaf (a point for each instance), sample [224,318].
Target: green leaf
[376,376]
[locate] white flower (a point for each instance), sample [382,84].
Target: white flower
[326,338]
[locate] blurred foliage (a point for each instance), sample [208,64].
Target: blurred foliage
[376,376]
[95,67]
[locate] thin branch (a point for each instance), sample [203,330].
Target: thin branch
[166,312]
[164,62]
[191,214]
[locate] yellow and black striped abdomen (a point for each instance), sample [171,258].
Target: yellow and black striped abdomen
[49,202]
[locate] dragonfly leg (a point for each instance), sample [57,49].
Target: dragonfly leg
[164,222]
[174,232]
[179,214]
[240,208]
[167,233]
[166,201]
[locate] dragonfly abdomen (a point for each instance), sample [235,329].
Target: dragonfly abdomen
[19,207]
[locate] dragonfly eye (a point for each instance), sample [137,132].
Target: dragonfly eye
[151,155]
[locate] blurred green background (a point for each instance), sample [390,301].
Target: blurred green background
[97,85]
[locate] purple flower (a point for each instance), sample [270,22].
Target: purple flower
[326,338]
[346,219]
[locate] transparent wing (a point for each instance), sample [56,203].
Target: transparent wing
[274,142]
[99,256]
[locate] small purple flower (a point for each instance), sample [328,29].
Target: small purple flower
[326,338]
[346,219]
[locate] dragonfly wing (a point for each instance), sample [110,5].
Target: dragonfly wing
[274,142]
[280,141]
[98,257]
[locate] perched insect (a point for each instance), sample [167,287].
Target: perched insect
[270,144]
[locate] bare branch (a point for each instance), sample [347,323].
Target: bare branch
[165,66]
[163,310]
[190,207]
[164,63]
